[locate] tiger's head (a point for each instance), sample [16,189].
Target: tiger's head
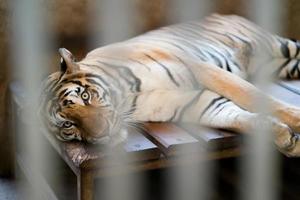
[76,105]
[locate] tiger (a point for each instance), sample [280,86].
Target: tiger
[194,72]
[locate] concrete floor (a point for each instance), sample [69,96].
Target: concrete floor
[8,189]
[227,183]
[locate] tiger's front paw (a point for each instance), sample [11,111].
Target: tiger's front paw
[291,117]
[288,142]
[294,149]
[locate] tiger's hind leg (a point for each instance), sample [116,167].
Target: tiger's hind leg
[241,92]
[222,113]
[212,110]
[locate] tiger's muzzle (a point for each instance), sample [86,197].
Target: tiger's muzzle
[92,122]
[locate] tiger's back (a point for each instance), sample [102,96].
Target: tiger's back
[229,42]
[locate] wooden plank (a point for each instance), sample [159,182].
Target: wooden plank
[166,162]
[137,148]
[140,147]
[213,139]
[81,155]
[171,139]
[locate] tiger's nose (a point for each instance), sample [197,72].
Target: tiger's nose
[91,121]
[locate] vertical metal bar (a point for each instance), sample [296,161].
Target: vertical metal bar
[188,10]
[111,21]
[260,169]
[28,52]
[191,181]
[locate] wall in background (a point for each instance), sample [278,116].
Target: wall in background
[293,22]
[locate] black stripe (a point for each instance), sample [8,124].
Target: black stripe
[62,92]
[284,49]
[67,94]
[50,85]
[258,34]
[111,76]
[298,70]
[99,67]
[193,79]
[244,41]
[218,61]
[294,69]
[282,66]
[92,81]
[67,102]
[220,104]
[294,90]
[139,62]
[55,85]
[209,105]
[220,110]
[79,75]
[60,77]
[227,66]
[77,82]
[90,75]
[66,81]
[218,33]
[219,40]
[173,116]
[293,40]
[165,68]
[190,103]
[126,73]
[236,64]
[83,75]
[288,76]
[298,48]
[133,104]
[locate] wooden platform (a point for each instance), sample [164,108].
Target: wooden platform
[161,145]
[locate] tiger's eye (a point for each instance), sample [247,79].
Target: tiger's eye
[67,124]
[85,96]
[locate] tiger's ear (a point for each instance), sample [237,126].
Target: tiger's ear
[67,63]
